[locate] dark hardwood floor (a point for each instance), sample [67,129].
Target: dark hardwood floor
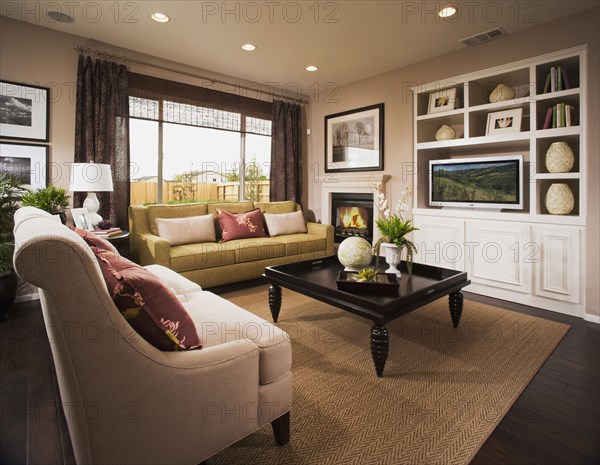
[555,421]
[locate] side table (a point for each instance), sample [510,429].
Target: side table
[120,242]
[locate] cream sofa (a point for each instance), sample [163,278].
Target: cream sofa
[127,402]
[214,263]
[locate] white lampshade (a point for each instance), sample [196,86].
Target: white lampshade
[91,177]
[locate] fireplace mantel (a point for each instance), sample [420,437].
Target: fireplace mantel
[334,183]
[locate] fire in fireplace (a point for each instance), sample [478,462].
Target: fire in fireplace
[352,215]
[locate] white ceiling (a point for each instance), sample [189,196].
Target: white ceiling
[348,40]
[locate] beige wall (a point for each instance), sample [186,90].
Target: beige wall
[34,55]
[393,89]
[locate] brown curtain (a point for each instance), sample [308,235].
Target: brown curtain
[286,152]
[102,131]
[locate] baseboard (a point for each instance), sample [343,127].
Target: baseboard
[591,318]
[26,297]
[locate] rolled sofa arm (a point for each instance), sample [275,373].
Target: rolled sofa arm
[322,230]
[148,249]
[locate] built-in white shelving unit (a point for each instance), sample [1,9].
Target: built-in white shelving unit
[528,255]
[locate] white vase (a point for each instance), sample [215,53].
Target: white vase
[559,157]
[445,132]
[560,199]
[393,257]
[502,93]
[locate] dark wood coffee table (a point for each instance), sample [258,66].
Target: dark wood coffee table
[317,279]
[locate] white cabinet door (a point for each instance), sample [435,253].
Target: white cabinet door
[440,242]
[558,271]
[497,254]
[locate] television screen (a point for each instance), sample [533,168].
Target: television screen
[492,182]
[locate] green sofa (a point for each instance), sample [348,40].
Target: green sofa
[215,263]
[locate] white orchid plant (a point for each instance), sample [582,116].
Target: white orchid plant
[393,226]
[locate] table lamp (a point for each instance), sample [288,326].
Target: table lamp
[91,178]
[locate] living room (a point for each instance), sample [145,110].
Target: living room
[37,51]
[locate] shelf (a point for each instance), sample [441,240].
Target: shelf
[557,132]
[445,114]
[557,176]
[558,94]
[506,105]
[477,214]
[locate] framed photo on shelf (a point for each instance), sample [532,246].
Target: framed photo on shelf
[442,100]
[24,111]
[28,163]
[81,218]
[502,122]
[354,140]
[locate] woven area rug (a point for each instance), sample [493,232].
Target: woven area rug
[442,394]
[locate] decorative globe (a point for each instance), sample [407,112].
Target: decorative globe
[355,253]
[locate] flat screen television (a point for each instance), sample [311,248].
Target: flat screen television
[494,182]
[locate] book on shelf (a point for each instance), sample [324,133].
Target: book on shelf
[557,79]
[560,115]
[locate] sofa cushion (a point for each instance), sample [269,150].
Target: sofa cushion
[173,211]
[92,239]
[219,321]
[275,208]
[187,230]
[191,257]
[249,250]
[147,304]
[285,223]
[241,225]
[234,207]
[296,244]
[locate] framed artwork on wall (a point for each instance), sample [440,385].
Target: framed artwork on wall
[28,163]
[24,111]
[502,122]
[442,100]
[354,140]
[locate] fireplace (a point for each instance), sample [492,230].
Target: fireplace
[352,215]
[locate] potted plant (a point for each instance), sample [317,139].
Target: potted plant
[10,194]
[394,228]
[52,199]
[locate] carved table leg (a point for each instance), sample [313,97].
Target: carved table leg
[275,301]
[456,306]
[379,347]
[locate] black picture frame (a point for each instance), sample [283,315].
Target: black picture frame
[27,162]
[24,111]
[354,140]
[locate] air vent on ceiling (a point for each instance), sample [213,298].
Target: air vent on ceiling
[483,37]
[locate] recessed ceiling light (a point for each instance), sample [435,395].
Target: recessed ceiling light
[249,47]
[447,11]
[311,68]
[160,17]
[60,17]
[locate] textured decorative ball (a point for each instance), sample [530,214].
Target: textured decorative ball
[502,93]
[355,253]
[559,158]
[445,133]
[560,199]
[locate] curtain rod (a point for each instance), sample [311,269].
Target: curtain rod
[92,51]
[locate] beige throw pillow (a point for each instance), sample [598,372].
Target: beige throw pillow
[285,223]
[187,230]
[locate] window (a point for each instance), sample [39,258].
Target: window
[191,144]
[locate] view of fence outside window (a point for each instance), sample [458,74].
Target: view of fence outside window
[207,154]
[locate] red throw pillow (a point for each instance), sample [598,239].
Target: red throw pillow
[147,304]
[241,225]
[93,240]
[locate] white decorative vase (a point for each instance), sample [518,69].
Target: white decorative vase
[559,157]
[560,199]
[445,133]
[355,253]
[393,257]
[502,93]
